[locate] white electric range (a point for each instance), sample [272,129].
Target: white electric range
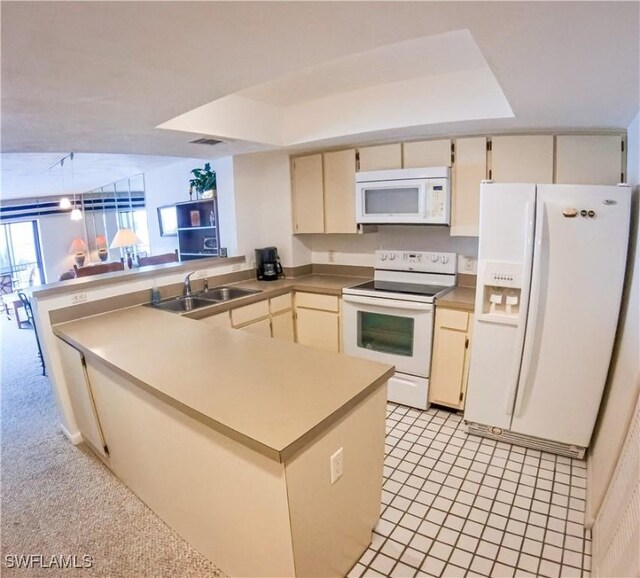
[390,319]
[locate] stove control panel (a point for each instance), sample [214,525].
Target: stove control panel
[422,261]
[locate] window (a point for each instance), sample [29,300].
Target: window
[20,254]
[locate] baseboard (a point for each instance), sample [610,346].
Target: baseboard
[75,438]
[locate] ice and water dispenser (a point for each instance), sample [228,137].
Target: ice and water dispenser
[501,291]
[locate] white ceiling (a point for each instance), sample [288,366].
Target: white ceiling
[98,77]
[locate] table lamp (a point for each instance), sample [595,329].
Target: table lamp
[78,246]
[101,244]
[124,239]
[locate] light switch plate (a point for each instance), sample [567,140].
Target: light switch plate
[337,466]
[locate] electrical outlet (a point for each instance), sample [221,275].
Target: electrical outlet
[78,298]
[467,265]
[332,256]
[336,466]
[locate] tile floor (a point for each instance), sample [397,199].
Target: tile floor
[458,505]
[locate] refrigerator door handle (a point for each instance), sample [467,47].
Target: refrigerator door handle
[530,344]
[522,325]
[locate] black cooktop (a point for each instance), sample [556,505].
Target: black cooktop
[396,287]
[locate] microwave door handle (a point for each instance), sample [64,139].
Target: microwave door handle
[388,303]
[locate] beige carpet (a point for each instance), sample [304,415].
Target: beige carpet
[57,499]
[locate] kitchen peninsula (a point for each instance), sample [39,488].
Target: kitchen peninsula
[231,438]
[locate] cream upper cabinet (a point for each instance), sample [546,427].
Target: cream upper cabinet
[308,194]
[381,157]
[339,192]
[469,169]
[522,159]
[450,361]
[429,153]
[589,159]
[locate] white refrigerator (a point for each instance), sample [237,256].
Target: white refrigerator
[551,266]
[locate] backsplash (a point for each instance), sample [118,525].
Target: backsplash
[359,249]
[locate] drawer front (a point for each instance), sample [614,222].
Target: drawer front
[219,320]
[259,328]
[452,319]
[316,301]
[248,313]
[281,303]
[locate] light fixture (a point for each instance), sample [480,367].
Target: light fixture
[76,214]
[124,239]
[78,247]
[65,203]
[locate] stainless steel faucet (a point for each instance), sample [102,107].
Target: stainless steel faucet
[186,289]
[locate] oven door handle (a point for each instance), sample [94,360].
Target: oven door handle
[389,303]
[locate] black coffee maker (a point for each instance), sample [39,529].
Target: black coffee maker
[268,267]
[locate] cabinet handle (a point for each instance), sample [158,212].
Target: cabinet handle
[466,346]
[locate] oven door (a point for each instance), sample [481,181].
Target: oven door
[390,331]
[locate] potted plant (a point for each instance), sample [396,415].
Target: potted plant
[203,182]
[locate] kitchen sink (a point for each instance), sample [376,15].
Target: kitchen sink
[180,304]
[226,293]
[204,298]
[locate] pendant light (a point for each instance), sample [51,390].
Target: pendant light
[65,203]
[76,214]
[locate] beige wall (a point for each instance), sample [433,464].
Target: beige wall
[262,183]
[623,385]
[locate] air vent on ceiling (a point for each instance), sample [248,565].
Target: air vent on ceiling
[206,141]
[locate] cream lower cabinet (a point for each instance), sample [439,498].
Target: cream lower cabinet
[281,309]
[318,321]
[450,358]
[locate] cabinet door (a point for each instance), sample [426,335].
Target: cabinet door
[282,326]
[81,396]
[589,159]
[430,153]
[339,192]
[522,159]
[259,327]
[318,329]
[450,346]
[381,157]
[470,169]
[308,196]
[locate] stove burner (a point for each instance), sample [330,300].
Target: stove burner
[398,287]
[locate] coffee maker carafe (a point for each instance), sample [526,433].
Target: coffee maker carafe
[268,267]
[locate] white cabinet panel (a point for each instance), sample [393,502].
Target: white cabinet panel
[522,159]
[470,169]
[319,329]
[308,194]
[589,159]
[381,157]
[429,153]
[339,191]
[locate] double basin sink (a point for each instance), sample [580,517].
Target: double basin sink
[204,298]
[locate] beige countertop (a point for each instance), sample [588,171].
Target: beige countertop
[270,395]
[460,298]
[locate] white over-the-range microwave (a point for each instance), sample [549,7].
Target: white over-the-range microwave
[404,196]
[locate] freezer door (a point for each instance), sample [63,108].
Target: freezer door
[578,272]
[506,236]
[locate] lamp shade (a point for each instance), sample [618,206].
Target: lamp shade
[125,238]
[78,246]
